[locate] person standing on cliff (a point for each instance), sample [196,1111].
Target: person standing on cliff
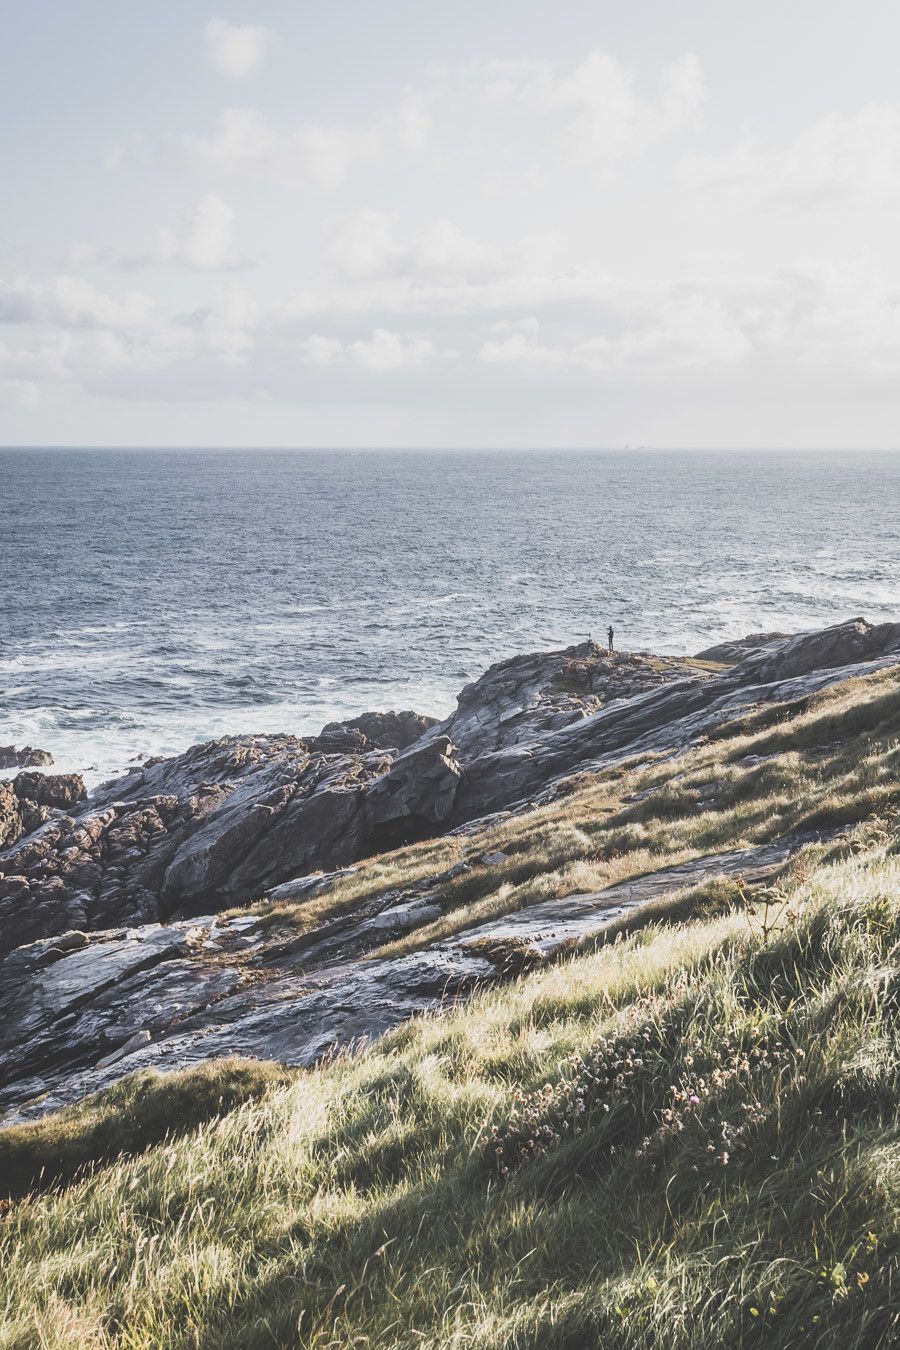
[609,634]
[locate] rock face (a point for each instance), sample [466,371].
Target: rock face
[828,649]
[230,819]
[673,714]
[377,731]
[79,1011]
[213,826]
[32,798]
[528,696]
[94,985]
[26,758]
[730,653]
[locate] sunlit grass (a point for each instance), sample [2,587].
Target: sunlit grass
[366,1204]
[362,1203]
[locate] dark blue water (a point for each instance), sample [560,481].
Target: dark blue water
[150,599]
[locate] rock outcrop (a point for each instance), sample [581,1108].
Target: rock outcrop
[26,758]
[79,1011]
[738,649]
[228,820]
[376,731]
[32,798]
[105,969]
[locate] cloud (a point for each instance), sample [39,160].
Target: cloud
[204,239]
[663,332]
[73,302]
[228,324]
[321,156]
[323,351]
[604,119]
[850,158]
[68,330]
[235,50]
[366,245]
[519,341]
[385,350]
[797,319]
[828,328]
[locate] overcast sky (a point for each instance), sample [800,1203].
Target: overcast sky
[424,223]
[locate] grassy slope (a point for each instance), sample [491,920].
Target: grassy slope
[531,1170]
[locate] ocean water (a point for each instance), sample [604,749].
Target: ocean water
[151,599]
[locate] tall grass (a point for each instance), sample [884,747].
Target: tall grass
[688,1137]
[365,1204]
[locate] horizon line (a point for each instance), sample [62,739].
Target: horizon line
[464,449]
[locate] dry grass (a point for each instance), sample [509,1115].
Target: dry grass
[364,1205]
[361,1206]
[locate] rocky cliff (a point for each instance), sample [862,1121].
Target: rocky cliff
[116,912]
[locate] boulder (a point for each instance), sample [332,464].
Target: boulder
[737,649]
[416,796]
[825,649]
[26,758]
[11,826]
[30,799]
[379,731]
[57,790]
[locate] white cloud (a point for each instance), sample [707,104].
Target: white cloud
[235,50]
[228,324]
[322,156]
[316,155]
[204,239]
[605,119]
[243,140]
[519,341]
[323,351]
[364,245]
[367,245]
[385,350]
[325,155]
[852,158]
[665,331]
[76,303]
[798,319]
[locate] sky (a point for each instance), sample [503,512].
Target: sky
[502,224]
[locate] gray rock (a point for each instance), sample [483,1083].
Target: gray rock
[304,888]
[737,649]
[26,758]
[135,1042]
[235,819]
[98,1006]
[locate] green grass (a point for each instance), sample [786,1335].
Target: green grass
[531,1170]
[138,1111]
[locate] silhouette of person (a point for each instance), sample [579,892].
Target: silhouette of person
[609,634]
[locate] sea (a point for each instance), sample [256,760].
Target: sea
[150,599]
